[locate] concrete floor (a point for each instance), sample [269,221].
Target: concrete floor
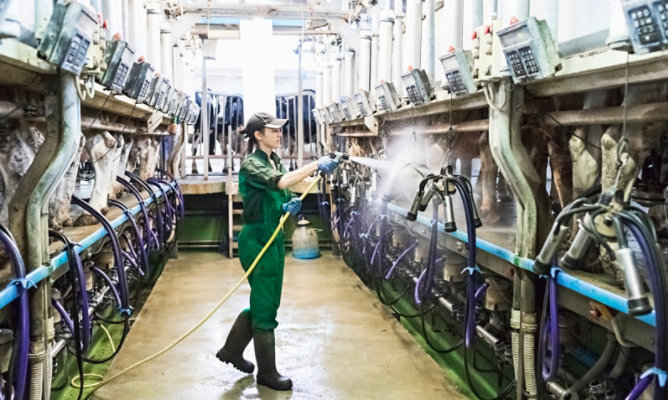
[334,339]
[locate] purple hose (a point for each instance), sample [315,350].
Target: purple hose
[639,388]
[127,257]
[135,227]
[144,210]
[106,278]
[401,256]
[416,295]
[553,330]
[480,291]
[657,285]
[345,232]
[64,315]
[21,356]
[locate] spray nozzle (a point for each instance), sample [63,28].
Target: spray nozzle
[338,156]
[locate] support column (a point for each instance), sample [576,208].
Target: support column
[205,119]
[166,53]
[397,53]
[349,77]
[413,34]
[453,17]
[364,61]
[385,49]
[429,42]
[153,37]
[137,27]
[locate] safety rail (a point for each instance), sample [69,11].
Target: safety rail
[10,293]
[564,279]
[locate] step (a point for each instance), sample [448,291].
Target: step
[236,228]
[237,212]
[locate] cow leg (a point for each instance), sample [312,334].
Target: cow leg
[561,165]
[488,169]
[99,148]
[59,204]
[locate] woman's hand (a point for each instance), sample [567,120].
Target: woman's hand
[293,206]
[327,164]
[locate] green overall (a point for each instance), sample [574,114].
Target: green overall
[258,180]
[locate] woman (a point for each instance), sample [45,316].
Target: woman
[263,186]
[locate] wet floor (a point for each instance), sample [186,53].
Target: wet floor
[334,339]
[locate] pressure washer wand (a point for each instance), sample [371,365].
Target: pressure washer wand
[281,222]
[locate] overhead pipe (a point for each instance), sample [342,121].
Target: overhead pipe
[137,26]
[153,36]
[413,34]
[29,224]
[385,49]
[429,41]
[453,21]
[397,53]
[364,62]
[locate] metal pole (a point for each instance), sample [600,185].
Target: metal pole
[300,111]
[205,119]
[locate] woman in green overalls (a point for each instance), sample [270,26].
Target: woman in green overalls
[263,186]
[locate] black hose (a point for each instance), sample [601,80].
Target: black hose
[76,332]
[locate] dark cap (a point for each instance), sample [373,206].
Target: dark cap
[261,120]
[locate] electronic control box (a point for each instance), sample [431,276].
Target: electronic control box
[457,69]
[529,49]
[335,112]
[364,103]
[139,81]
[158,92]
[648,24]
[68,36]
[316,116]
[349,108]
[386,94]
[193,113]
[326,116]
[118,58]
[417,86]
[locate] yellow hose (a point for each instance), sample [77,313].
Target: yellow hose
[220,303]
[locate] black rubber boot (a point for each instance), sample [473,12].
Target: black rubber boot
[237,341]
[265,354]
